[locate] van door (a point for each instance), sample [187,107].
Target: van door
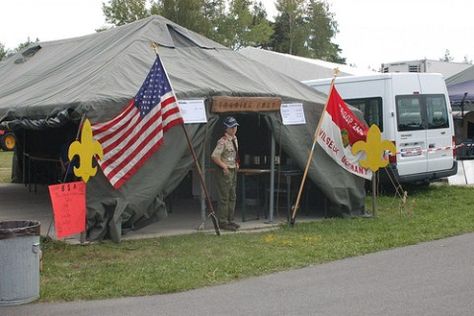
[439,136]
[411,135]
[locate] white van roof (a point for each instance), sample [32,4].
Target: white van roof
[379,76]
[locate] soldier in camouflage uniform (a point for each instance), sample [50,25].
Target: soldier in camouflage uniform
[225,155]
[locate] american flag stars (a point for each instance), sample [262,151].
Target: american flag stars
[156,85]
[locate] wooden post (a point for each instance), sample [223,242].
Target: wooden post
[374,193]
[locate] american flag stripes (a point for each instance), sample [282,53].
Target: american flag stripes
[130,138]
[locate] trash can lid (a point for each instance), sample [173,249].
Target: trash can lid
[13,229]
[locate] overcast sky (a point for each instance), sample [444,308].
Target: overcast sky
[370,31]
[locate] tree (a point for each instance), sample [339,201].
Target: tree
[214,18]
[244,27]
[120,12]
[447,56]
[261,30]
[201,16]
[245,24]
[302,27]
[3,51]
[322,27]
[306,28]
[289,27]
[187,13]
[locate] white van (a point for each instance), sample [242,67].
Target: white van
[413,111]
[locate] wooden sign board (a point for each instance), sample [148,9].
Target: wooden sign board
[223,104]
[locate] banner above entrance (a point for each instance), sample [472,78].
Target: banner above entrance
[223,104]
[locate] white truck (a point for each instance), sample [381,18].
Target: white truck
[413,111]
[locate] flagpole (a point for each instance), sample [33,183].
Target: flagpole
[310,156]
[212,214]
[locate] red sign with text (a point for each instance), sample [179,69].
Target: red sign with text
[69,208]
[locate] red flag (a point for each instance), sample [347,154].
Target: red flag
[340,128]
[130,138]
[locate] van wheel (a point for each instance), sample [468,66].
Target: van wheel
[8,142]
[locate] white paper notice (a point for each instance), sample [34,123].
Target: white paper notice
[292,114]
[193,111]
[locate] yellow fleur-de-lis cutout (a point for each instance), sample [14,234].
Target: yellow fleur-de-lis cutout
[86,149]
[375,148]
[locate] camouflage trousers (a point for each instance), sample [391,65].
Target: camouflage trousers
[226,187]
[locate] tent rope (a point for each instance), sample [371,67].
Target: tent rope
[399,191]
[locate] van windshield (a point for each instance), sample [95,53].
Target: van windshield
[417,112]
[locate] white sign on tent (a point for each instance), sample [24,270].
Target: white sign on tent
[292,114]
[193,111]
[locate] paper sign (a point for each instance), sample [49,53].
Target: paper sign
[292,114]
[69,208]
[193,111]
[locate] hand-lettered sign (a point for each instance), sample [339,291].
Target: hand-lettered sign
[69,208]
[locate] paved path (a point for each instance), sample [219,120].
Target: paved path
[434,278]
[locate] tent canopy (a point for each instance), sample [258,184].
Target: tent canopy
[52,84]
[459,84]
[99,73]
[297,67]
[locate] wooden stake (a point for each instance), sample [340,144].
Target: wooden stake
[374,193]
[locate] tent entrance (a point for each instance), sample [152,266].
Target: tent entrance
[41,155]
[267,178]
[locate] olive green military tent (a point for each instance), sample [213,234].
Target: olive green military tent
[45,90]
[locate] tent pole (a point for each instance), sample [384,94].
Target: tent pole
[212,214]
[272,179]
[203,196]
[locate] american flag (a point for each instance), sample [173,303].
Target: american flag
[130,138]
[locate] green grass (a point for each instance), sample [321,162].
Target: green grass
[170,264]
[5,166]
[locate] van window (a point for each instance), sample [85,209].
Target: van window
[470,130]
[371,108]
[437,111]
[409,113]
[414,110]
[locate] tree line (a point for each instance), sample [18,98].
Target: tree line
[301,27]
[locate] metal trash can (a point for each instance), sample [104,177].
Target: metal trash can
[19,262]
